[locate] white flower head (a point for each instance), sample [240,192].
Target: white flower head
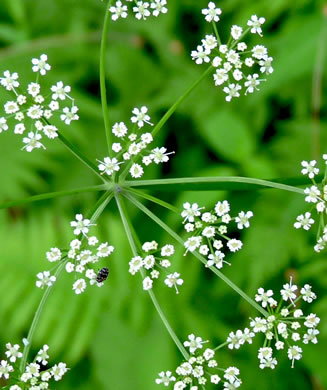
[45,279]
[81,225]
[41,65]
[194,343]
[69,115]
[141,10]
[255,23]
[212,12]
[79,286]
[118,11]
[136,171]
[305,221]
[109,165]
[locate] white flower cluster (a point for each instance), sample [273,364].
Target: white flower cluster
[316,194]
[81,256]
[236,65]
[36,377]
[208,228]
[133,146]
[199,369]
[141,9]
[33,110]
[153,262]
[285,325]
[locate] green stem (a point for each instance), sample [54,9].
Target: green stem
[95,213]
[103,89]
[153,199]
[77,153]
[51,195]
[216,32]
[129,229]
[210,183]
[174,107]
[196,254]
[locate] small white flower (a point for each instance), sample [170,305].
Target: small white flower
[204,250]
[309,168]
[5,369]
[158,7]
[54,254]
[220,76]
[45,279]
[165,378]
[160,155]
[242,46]
[167,250]
[234,245]
[116,147]
[105,250]
[209,231]
[118,11]
[194,343]
[119,129]
[305,221]
[59,370]
[174,280]
[311,321]
[3,125]
[147,283]
[311,336]
[60,91]
[192,243]
[35,111]
[190,211]
[215,379]
[201,55]
[141,11]
[50,131]
[209,42]
[135,264]
[109,165]
[13,352]
[81,225]
[265,297]
[307,294]
[232,91]
[255,24]
[42,355]
[70,267]
[211,13]
[312,193]
[259,52]
[149,262]
[259,325]
[236,32]
[242,219]
[288,292]
[252,83]
[140,116]
[41,65]
[9,81]
[265,65]
[294,353]
[11,107]
[79,286]
[136,171]
[33,89]
[69,115]
[216,260]
[235,340]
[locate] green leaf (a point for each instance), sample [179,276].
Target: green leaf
[228,135]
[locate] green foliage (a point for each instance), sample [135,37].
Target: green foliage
[112,336]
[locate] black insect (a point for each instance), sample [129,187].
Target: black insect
[102,275]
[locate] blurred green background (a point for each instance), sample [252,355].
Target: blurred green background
[112,337]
